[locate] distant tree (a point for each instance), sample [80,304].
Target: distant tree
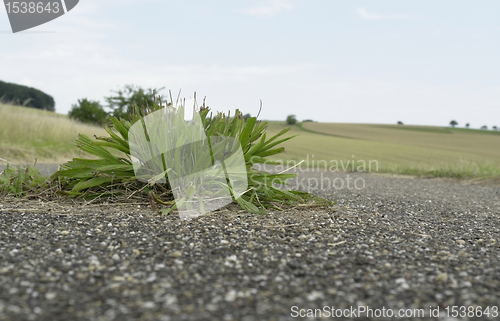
[494,128]
[88,111]
[484,127]
[122,104]
[453,123]
[291,120]
[467,125]
[246,116]
[308,121]
[400,123]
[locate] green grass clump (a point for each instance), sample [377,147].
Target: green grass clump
[18,181]
[112,173]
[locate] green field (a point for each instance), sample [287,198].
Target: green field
[412,150]
[27,134]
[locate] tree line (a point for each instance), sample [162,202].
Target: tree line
[19,95]
[454,123]
[119,104]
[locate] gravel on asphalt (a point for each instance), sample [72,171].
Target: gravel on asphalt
[389,243]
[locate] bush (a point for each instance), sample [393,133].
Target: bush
[291,120]
[123,103]
[25,96]
[88,111]
[400,123]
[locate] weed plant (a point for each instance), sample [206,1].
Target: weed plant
[112,173]
[19,181]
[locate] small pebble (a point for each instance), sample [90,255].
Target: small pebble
[175,254]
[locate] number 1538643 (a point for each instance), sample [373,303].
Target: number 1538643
[32,7]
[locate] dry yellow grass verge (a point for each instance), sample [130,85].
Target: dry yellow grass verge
[27,134]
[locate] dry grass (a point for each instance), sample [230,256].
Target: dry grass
[27,134]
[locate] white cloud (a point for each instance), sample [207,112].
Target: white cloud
[363,13]
[271,8]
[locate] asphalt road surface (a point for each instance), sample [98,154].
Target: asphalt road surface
[391,248]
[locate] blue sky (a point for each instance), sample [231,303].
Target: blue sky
[421,62]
